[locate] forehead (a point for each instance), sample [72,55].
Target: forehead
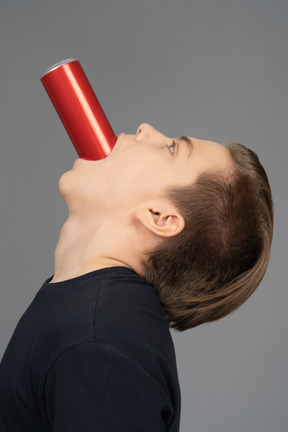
[212,155]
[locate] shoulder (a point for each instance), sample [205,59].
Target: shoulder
[130,317]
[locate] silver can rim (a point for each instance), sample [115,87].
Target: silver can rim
[57,65]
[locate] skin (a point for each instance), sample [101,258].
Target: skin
[120,200]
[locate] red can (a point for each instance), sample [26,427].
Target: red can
[79,109]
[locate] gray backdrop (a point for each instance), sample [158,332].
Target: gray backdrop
[212,69]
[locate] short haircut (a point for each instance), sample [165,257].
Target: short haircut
[217,261]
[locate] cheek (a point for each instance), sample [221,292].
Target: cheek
[129,186]
[128,175]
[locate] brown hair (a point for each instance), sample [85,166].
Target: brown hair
[217,261]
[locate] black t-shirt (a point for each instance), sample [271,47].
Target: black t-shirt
[90,354]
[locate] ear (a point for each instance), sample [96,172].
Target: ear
[163,220]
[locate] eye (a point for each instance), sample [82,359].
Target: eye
[172,147]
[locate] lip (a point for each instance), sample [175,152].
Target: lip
[118,138]
[121,134]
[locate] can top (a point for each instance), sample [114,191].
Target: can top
[61,63]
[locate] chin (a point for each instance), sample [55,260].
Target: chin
[64,183]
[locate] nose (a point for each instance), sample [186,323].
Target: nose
[147,132]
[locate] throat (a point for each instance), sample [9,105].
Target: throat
[82,248]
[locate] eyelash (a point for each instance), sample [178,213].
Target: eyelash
[172,145]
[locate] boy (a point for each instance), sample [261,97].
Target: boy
[161,232]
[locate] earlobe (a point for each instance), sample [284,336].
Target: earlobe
[166,223]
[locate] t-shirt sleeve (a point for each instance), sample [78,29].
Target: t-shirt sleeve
[94,387]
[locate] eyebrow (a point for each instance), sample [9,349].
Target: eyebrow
[188,142]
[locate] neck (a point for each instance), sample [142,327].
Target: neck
[82,248]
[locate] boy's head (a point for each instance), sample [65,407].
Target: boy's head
[195,218]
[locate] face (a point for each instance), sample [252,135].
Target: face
[140,168]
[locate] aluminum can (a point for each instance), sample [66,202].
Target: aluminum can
[79,109]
